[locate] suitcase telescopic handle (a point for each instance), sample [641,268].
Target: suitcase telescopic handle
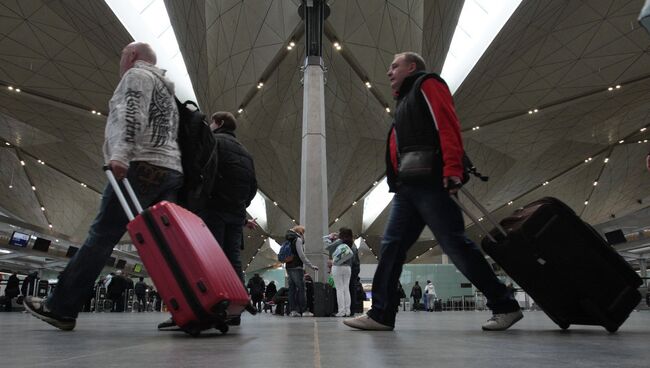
[120,194]
[484,212]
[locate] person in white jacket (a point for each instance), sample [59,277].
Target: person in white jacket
[430,292]
[140,143]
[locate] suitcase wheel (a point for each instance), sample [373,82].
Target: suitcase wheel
[564,326]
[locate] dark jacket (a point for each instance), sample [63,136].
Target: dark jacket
[27,288]
[12,290]
[416,292]
[256,286]
[117,286]
[140,288]
[416,129]
[235,185]
[270,291]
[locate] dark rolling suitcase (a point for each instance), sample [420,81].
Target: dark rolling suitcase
[563,264]
[324,300]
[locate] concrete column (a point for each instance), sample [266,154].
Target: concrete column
[445,259]
[313,173]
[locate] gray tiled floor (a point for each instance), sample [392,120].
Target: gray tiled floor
[448,339]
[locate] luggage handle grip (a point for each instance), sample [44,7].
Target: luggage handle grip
[120,194]
[483,210]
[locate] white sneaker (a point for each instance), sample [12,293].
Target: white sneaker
[364,322]
[502,321]
[307,314]
[340,314]
[294,314]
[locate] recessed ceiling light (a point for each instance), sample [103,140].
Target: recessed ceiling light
[368,85]
[387,109]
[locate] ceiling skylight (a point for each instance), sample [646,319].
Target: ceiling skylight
[257,210]
[274,245]
[479,23]
[148,21]
[375,202]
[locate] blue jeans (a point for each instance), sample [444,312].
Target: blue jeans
[230,236]
[151,185]
[297,300]
[415,206]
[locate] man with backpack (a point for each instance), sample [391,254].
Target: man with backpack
[424,167]
[234,187]
[294,260]
[140,143]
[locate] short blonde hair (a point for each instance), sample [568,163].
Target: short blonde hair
[298,229]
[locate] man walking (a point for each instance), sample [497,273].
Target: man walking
[424,168]
[140,144]
[235,187]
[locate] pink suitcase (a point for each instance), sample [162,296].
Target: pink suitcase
[188,267]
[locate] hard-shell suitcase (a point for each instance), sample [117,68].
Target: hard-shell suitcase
[324,300]
[190,271]
[563,264]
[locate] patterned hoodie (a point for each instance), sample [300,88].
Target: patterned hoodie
[142,123]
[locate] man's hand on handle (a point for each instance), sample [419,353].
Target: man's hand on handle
[119,169]
[252,224]
[452,184]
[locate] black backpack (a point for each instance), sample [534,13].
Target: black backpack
[198,155]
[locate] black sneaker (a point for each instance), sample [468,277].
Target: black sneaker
[235,321]
[37,307]
[168,325]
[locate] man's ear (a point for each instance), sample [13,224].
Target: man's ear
[412,67]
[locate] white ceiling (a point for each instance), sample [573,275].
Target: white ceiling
[556,56]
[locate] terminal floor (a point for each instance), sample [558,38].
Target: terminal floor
[421,339]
